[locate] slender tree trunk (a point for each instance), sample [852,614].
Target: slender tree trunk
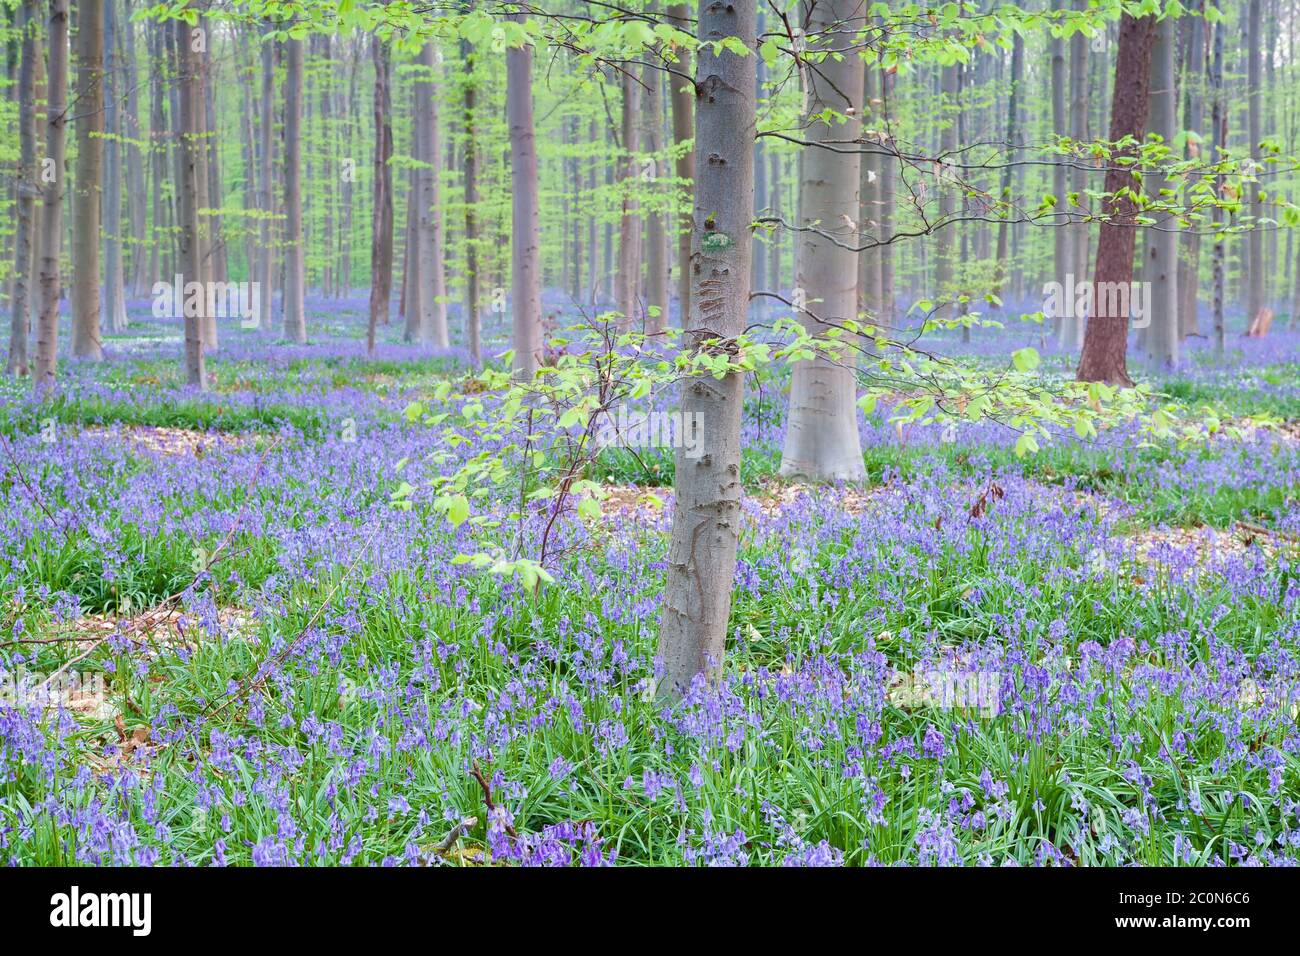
[1218,142]
[157,54]
[1161,266]
[707,516]
[114,285]
[219,269]
[295,318]
[1061,233]
[1105,342]
[207,238]
[656,235]
[20,305]
[525,235]
[888,167]
[433,315]
[593,243]
[1189,266]
[947,192]
[869,285]
[473,325]
[47,333]
[1255,300]
[191,149]
[137,193]
[821,438]
[381,247]
[629,232]
[1013,136]
[266,228]
[682,101]
[1072,326]
[89,184]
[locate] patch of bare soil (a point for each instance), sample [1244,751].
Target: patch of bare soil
[1208,545]
[159,440]
[165,625]
[1285,433]
[776,496]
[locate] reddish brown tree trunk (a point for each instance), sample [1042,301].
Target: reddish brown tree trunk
[1105,343]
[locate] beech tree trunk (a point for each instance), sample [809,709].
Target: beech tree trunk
[1061,233]
[868,198]
[381,247]
[1105,342]
[137,194]
[1072,326]
[89,183]
[1189,265]
[207,237]
[629,230]
[266,229]
[433,310]
[1013,135]
[888,167]
[114,287]
[157,52]
[295,318]
[682,102]
[525,235]
[1218,142]
[1256,271]
[656,236]
[706,515]
[191,149]
[20,305]
[821,438]
[1161,266]
[56,95]
[473,324]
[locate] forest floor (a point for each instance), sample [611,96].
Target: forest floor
[220,642]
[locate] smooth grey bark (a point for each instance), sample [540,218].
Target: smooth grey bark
[629,230]
[190,152]
[137,192]
[114,288]
[593,246]
[1160,267]
[1218,142]
[56,96]
[944,255]
[821,438]
[216,247]
[156,50]
[27,191]
[433,308]
[295,318]
[656,234]
[525,234]
[473,321]
[1189,261]
[88,186]
[888,168]
[1254,248]
[1061,234]
[1013,95]
[266,186]
[201,130]
[248,146]
[1071,330]
[682,102]
[869,285]
[706,515]
[381,242]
